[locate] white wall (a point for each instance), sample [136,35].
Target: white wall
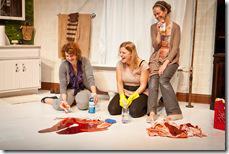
[46,26]
[45,22]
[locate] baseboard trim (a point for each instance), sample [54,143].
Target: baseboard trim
[183,97]
[195,98]
[55,88]
[19,93]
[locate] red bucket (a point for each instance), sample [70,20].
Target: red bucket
[219,115]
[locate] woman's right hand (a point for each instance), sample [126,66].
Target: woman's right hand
[64,105]
[159,23]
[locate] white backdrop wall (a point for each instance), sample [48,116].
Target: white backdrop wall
[45,21]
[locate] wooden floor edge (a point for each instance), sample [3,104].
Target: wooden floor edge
[53,87]
[183,97]
[195,98]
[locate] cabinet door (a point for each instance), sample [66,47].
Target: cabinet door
[9,70]
[30,73]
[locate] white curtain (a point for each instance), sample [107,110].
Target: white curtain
[129,20]
[204,46]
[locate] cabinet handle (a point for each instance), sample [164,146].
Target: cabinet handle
[23,68]
[17,68]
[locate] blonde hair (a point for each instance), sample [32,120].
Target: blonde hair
[71,48]
[131,48]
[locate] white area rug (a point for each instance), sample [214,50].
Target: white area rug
[21,99]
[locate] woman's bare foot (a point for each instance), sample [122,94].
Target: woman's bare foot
[152,117]
[49,100]
[174,117]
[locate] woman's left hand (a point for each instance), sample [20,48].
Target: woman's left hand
[162,67]
[96,99]
[65,106]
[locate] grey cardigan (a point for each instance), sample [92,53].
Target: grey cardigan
[88,76]
[174,53]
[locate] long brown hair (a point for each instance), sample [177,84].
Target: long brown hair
[131,48]
[71,48]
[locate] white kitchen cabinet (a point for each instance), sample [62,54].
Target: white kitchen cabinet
[19,68]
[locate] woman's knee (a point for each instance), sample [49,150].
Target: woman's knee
[82,106]
[136,113]
[133,112]
[139,106]
[113,110]
[153,84]
[113,107]
[164,81]
[82,99]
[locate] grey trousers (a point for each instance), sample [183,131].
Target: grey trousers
[81,99]
[168,94]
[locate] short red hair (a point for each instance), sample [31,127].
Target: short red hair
[71,48]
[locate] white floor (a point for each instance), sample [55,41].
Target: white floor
[20,123]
